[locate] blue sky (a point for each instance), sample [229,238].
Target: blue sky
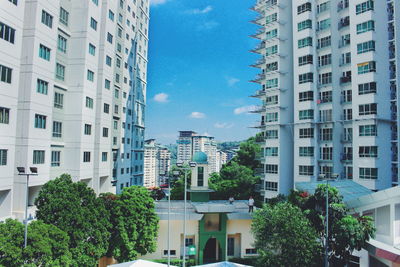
[198,69]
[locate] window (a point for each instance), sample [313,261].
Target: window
[271,67]
[368,151]
[3,157]
[5,74]
[368,130]
[200,176]
[96,2]
[116,109]
[89,102]
[42,86]
[64,16]
[105,132]
[325,97]
[271,34]
[366,26]
[306,24]
[231,246]
[7,33]
[271,168]
[306,114]
[304,60]
[251,251]
[271,83]
[4,115]
[58,100]
[306,78]
[116,93]
[90,75]
[325,60]
[304,42]
[367,88]
[271,134]
[109,38]
[111,15]
[62,44]
[87,129]
[271,100]
[108,61]
[115,125]
[57,129]
[306,133]
[172,252]
[271,117]
[47,19]
[306,170]
[325,134]
[367,109]
[271,50]
[107,84]
[324,42]
[345,40]
[323,7]
[38,156]
[106,108]
[306,96]
[303,8]
[271,151]
[345,58]
[104,156]
[55,158]
[326,153]
[271,186]
[86,156]
[364,7]
[44,52]
[271,18]
[92,49]
[323,24]
[15,2]
[368,173]
[306,151]
[60,72]
[365,47]
[325,78]
[366,67]
[40,121]
[93,24]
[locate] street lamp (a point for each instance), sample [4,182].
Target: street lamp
[34,172]
[186,170]
[332,177]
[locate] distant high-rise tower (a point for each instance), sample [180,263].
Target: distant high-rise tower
[72,94]
[329,91]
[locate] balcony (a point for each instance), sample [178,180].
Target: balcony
[345,79]
[346,157]
[259,78]
[342,5]
[258,63]
[344,22]
[346,138]
[259,20]
[258,35]
[259,93]
[324,100]
[259,48]
[258,109]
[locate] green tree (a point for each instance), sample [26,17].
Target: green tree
[134,227]
[234,180]
[248,154]
[346,233]
[284,236]
[74,208]
[47,245]
[177,182]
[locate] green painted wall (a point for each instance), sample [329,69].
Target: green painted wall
[219,235]
[199,196]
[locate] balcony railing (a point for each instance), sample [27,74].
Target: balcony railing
[258,78]
[345,79]
[258,48]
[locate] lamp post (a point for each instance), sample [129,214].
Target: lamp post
[186,170]
[21,172]
[332,177]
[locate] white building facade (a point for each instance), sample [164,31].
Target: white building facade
[342,113]
[72,94]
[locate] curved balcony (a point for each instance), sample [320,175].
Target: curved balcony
[259,49]
[259,63]
[259,93]
[259,34]
[260,20]
[259,78]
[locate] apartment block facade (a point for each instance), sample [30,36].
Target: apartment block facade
[157,164]
[340,117]
[72,94]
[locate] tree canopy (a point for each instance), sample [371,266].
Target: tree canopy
[74,208]
[47,245]
[134,222]
[248,154]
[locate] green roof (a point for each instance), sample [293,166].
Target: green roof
[200,157]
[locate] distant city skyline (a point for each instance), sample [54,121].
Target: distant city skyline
[204,87]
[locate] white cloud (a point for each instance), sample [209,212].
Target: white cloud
[244,109]
[197,11]
[197,115]
[232,81]
[161,97]
[223,125]
[157,2]
[208,25]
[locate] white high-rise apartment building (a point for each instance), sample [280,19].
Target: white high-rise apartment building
[329,83]
[190,142]
[157,160]
[72,94]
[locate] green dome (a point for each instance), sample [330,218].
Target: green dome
[200,157]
